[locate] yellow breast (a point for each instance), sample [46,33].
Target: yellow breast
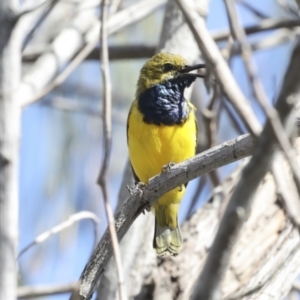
[151,146]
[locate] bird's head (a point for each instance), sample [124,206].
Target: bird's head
[164,67]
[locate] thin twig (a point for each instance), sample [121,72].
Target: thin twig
[286,190]
[102,178]
[209,116]
[29,292]
[288,7]
[71,106]
[237,124]
[253,9]
[281,36]
[31,9]
[41,19]
[62,226]
[136,51]
[264,25]
[207,134]
[298,3]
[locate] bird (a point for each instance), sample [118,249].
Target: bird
[162,130]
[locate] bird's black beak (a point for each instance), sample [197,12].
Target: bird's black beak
[187,69]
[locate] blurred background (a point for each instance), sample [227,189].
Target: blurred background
[61,145]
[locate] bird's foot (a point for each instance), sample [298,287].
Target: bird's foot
[146,206]
[138,185]
[167,168]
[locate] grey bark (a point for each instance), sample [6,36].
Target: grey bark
[264,262]
[10,58]
[141,198]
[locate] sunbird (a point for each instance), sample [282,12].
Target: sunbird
[161,130]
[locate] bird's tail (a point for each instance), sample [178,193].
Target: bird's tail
[167,235]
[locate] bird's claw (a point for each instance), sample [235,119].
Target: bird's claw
[146,206]
[167,168]
[139,185]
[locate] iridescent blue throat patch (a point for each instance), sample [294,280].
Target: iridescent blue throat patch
[165,103]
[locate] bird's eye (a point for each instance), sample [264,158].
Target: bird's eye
[168,67]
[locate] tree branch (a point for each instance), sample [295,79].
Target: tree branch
[29,292]
[40,20]
[202,163]
[10,71]
[264,25]
[58,228]
[107,128]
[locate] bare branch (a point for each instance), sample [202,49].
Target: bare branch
[115,52]
[31,9]
[106,102]
[62,226]
[71,106]
[286,189]
[289,7]
[281,36]
[10,71]
[29,292]
[202,163]
[102,178]
[252,9]
[265,260]
[40,20]
[264,25]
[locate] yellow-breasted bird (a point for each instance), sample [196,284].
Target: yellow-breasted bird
[162,129]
